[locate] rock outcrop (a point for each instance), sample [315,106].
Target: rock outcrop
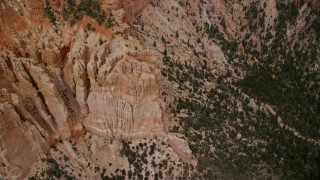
[22,139]
[74,80]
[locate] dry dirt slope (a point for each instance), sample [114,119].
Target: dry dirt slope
[242,83]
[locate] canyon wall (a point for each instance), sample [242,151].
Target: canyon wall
[56,85]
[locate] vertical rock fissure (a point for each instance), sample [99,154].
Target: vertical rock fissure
[64,52]
[40,95]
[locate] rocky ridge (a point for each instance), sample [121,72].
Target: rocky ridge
[57,85]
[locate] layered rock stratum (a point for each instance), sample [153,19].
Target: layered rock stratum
[60,84]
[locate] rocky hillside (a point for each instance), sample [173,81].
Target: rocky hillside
[149,89]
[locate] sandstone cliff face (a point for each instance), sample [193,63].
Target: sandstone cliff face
[60,85]
[124,100]
[22,139]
